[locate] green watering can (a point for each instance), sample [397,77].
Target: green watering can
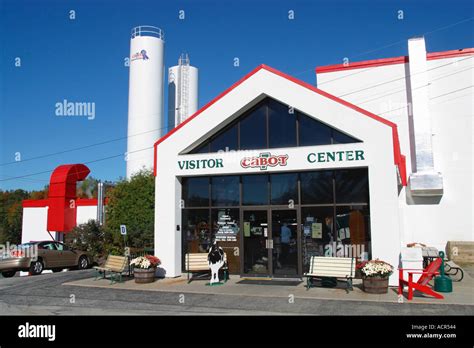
[443,283]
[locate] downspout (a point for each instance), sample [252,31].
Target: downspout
[424,180]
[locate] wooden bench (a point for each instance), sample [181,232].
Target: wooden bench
[331,267]
[115,265]
[198,263]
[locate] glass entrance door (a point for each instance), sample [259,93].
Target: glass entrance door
[271,243]
[255,240]
[284,233]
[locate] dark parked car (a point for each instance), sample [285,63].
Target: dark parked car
[34,257]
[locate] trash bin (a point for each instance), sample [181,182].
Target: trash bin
[443,283]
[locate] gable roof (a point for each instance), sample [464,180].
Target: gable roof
[399,159]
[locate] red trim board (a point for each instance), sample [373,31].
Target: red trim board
[398,157]
[390,61]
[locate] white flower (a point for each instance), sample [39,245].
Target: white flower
[376,267]
[141,262]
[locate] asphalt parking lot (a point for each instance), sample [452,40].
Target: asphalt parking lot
[46,295]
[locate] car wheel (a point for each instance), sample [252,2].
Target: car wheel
[56,270]
[36,267]
[83,262]
[8,274]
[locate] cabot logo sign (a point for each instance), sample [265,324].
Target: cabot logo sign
[140,55]
[263,161]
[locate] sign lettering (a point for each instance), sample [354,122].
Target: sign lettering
[264,160]
[336,156]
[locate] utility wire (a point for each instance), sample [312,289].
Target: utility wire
[403,77]
[404,89]
[438,96]
[88,162]
[80,147]
[122,138]
[395,43]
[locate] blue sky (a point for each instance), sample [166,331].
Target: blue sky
[83,60]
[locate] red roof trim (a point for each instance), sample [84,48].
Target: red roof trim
[42,203]
[35,203]
[87,202]
[359,65]
[450,54]
[390,61]
[398,158]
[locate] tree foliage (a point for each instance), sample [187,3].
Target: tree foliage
[11,214]
[131,203]
[93,238]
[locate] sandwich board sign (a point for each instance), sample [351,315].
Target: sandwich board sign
[123,230]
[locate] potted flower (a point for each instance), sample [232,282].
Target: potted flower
[375,274]
[144,268]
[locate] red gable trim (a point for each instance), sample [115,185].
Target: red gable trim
[398,158]
[190,118]
[390,61]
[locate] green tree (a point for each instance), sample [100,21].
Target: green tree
[11,213]
[91,237]
[131,203]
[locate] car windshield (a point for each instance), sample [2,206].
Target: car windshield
[47,245]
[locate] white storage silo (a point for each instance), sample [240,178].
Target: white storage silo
[145,96]
[183,91]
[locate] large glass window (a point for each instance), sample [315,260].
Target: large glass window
[352,186]
[317,232]
[341,138]
[334,211]
[225,190]
[225,141]
[270,124]
[313,132]
[253,129]
[226,231]
[353,231]
[317,187]
[195,191]
[255,189]
[284,188]
[196,232]
[281,125]
[203,148]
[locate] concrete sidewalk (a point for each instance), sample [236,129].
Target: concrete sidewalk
[463,292]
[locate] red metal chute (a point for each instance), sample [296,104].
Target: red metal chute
[62,196]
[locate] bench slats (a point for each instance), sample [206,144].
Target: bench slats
[198,261]
[330,274]
[115,263]
[338,267]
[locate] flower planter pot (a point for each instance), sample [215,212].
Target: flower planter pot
[143,276]
[375,285]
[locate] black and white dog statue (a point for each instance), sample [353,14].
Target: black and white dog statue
[216,261]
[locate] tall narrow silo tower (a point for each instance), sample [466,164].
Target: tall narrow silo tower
[145,97]
[182,91]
